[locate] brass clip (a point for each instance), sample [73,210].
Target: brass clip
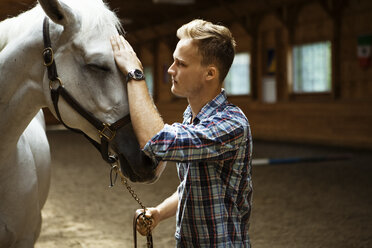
[107,132]
[54,84]
[48,50]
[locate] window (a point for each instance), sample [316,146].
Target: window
[312,68]
[237,81]
[147,70]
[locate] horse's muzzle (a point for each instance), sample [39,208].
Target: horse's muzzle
[134,163]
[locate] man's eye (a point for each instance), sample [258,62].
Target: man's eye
[98,67]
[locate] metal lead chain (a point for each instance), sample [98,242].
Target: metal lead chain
[146,220]
[115,170]
[131,191]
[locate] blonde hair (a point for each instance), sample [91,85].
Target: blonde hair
[215,43]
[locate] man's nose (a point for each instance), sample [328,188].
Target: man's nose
[171,69]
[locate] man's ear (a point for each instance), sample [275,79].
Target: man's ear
[212,73]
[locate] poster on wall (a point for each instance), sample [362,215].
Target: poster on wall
[269,80]
[364,50]
[271,62]
[269,89]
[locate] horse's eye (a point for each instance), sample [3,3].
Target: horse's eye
[98,67]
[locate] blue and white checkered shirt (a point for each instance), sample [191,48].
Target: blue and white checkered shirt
[214,166]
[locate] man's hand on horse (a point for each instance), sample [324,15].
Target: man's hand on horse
[124,55]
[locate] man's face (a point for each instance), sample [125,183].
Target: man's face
[186,71]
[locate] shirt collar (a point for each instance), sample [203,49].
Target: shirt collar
[207,109]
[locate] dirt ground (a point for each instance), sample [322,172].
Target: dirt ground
[324,204]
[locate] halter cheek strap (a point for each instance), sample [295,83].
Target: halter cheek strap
[106,131]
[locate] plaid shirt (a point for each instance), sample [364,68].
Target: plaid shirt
[214,166]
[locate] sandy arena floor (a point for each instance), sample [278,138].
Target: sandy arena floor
[326,204]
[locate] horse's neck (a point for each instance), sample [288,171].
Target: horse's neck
[12,28]
[21,91]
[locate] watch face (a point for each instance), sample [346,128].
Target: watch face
[136,75]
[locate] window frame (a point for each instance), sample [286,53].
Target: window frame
[309,96]
[249,78]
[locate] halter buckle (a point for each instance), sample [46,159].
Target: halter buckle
[107,132]
[48,55]
[55,84]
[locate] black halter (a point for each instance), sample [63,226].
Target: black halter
[106,131]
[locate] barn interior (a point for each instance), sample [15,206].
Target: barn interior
[303,77]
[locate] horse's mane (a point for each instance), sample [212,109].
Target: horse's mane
[95,16]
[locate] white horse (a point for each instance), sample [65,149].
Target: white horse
[79,33]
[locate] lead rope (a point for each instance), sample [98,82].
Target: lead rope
[147,221]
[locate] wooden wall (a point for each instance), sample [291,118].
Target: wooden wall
[341,118]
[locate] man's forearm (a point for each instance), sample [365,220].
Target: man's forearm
[146,119]
[168,207]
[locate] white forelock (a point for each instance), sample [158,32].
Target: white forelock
[95,15]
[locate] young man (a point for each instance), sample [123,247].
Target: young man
[212,147]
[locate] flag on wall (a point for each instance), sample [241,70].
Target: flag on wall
[364,50]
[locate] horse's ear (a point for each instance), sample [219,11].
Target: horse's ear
[61,14]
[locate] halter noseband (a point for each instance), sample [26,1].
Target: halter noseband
[106,131]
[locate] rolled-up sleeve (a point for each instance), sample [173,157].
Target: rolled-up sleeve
[208,140]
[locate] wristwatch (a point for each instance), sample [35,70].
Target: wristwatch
[135,75]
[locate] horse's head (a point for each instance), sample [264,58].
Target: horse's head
[80,37]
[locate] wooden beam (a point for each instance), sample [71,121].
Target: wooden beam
[288,16]
[336,10]
[255,53]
